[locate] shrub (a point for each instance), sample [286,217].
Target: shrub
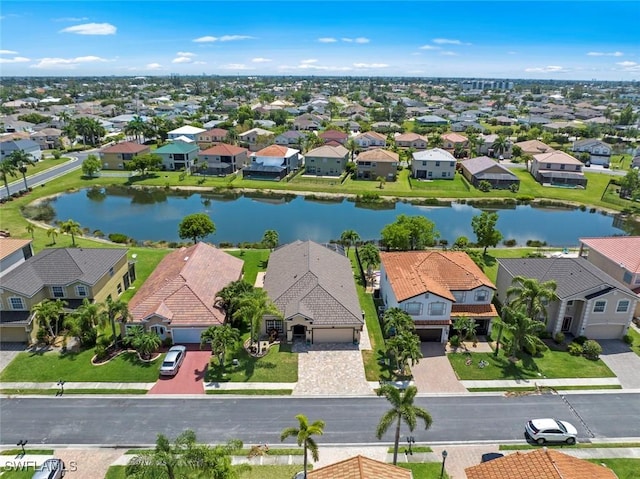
[591,349]
[101,351]
[454,341]
[628,339]
[544,334]
[167,342]
[525,198]
[536,243]
[580,340]
[514,188]
[510,242]
[118,238]
[575,349]
[89,337]
[484,186]
[56,154]
[558,338]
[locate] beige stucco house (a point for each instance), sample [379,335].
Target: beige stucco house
[433,164]
[115,157]
[326,160]
[557,168]
[377,163]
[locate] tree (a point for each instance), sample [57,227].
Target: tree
[31,229]
[349,238]
[402,410]
[524,332]
[370,258]
[145,163]
[135,127]
[352,146]
[382,180]
[435,141]
[72,228]
[21,159]
[52,233]
[406,349]
[7,169]
[304,437]
[528,159]
[83,320]
[91,166]
[227,298]
[253,306]
[270,239]
[630,185]
[144,342]
[396,320]
[409,233]
[484,227]
[532,295]
[48,313]
[627,117]
[466,327]
[221,339]
[500,145]
[115,311]
[196,225]
[460,244]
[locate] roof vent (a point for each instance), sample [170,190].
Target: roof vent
[186,258]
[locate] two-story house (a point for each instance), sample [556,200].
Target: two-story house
[434,287]
[326,160]
[186,131]
[256,138]
[433,164]
[13,252]
[211,137]
[590,302]
[411,140]
[370,139]
[115,157]
[291,138]
[531,147]
[599,151]
[334,135]
[272,163]
[222,159]
[557,168]
[377,163]
[26,145]
[48,138]
[178,155]
[452,142]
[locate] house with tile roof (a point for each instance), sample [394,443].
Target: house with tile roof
[178,300]
[434,287]
[178,155]
[590,302]
[256,138]
[272,163]
[452,141]
[210,137]
[334,135]
[69,274]
[483,168]
[313,288]
[360,467]
[618,256]
[377,163]
[433,164]
[557,168]
[370,139]
[411,140]
[222,159]
[326,160]
[48,138]
[291,138]
[539,464]
[533,147]
[115,157]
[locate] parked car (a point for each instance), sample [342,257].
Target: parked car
[490,456]
[50,469]
[173,360]
[550,430]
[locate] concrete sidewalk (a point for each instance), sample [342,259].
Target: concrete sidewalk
[554,383]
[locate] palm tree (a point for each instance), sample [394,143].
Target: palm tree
[466,327]
[352,146]
[135,127]
[405,346]
[402,410]
[253,306]
[524,332]
[349,238]
[83,319]
[532,294]
[370,258]
[304,438]
[144,342]
[164,460]
[500,145]
[221,338]
[396,320]
[7,169]
[71,227]
[227,298]
[435,141]
[116,310]
[30,229]
[21,159]
[270,239]
[48,313]
[52,233]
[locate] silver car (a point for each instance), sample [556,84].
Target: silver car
[50,469]
[550,430]
[173,360]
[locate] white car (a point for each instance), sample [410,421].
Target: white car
[173,360]
[550,430]
[50,469]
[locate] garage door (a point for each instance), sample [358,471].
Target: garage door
[604,331]
[429,335]
[186,335]
[344,335]
[13,335]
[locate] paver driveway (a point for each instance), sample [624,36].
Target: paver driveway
[433,373]
[8,351]
[190,377]
[88,463]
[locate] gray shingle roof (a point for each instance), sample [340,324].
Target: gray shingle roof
[306,278]
[58,267]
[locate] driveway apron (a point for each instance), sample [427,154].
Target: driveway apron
[88,463]
[190,377]
[8,351]
[433,373]
[622,361]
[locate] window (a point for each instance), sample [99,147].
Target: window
[623,306]
[430,174]
[119,288]
[451,164]
[562,167]
[481,295]
[599,306]
[548,166]
[57,291]
[424,163]
[627,277]
[81,291]
[460,296]
[444,174]
[637,279]
[274,324]
[578,167]
[16,303]
[437,163]
[413,308]
[437,309]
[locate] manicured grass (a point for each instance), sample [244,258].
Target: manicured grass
[256,472]
[635,346]
[255,260]
[491,263]
[116,472]
[527,388]
[580,445]
[243,452]
[146,261]
[17,452]
[623,467]
[76,367]
[424,470]
[53,392]
[279,365]
[554,364]
[414,449]
[26,474]
[252,392]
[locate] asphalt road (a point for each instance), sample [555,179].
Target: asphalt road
[136,421]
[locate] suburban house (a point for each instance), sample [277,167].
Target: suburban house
[533,147]
[433,164]
[432,120]
[452,141]
[114,157]
[541,463]
[256,138]
[377,163]
[13,252]
[48,138]
[334,135]
[599,151]
[222,159]
[486,147]
[557,168]
[411,140]
[272,163]
[307,123]
[484,168]
[326,160]
[370,139]
[187,131]
[69,274]
[434,287]
[26,145]
[313,288]
[178,300]
[590,302]
[291,137]
[360,467]
[210,137]
[618,256]
[178,155]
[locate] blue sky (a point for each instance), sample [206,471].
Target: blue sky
[503,39]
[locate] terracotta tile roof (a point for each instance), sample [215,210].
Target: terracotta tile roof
[429,322]
[360,467]
[11,245]
[540,464]
[474,310]
[557,157]
[125,147]
[412,273]
[334,134]
[533,146]
[410,137]
[183,286]
[219,132]
[624,250]
[377,154]
[455,137]
[223,149]
[274,150]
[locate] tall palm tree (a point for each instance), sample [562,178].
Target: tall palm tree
[227,298]
[532,294]
[115,310]
[352,146]
[500,145]
[270,239]
[48,313]
[52,233]
[524,332]
[83,319]
[135,127]
[21,159]
[221,338]
[405,346]
[304,436]
[402,410]
[31,229]
[7,169]
[71,227]
[253,306]
[370,258]
[349,238]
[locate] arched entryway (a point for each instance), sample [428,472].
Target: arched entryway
[160,330]
[299,331]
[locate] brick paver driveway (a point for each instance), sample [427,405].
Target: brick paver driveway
[190,377]
[622,361]
[88,463]
[8,351]
[433,373]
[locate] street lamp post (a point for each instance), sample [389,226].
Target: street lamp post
[444,459]
[410,440]
[22,443]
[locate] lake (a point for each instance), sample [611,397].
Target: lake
[154,214]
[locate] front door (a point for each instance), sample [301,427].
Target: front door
[566,324]
[299,331]
[160,330]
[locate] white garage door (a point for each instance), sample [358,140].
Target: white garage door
[336,335]
[608,331]
[186,335]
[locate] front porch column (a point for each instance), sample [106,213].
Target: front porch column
[557,327]
[584,320]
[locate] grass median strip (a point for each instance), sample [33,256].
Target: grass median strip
[35,452]
[559,388]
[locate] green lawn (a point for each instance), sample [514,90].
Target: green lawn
[146,261]
[256,472]
[554,364]
[425,470]
[54,392]
[26,474]
[624,468]
[635,346]
[76,367]
[255,260]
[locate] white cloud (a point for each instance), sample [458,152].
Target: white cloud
[429,47]
[14,60]
[449,54]
[91,29]
[313,66]
[512,53]
[236,66]
[261,60]
[605,54]
[626,64]
[370,65]
[327,40]
[153,66]
[547,69]
[308,61]
[355,40]
[182,60]
[223,38]
[185,54]
[68,63]
[70,19]
[629,66]
[8,52]
[199,63]
[448,41]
